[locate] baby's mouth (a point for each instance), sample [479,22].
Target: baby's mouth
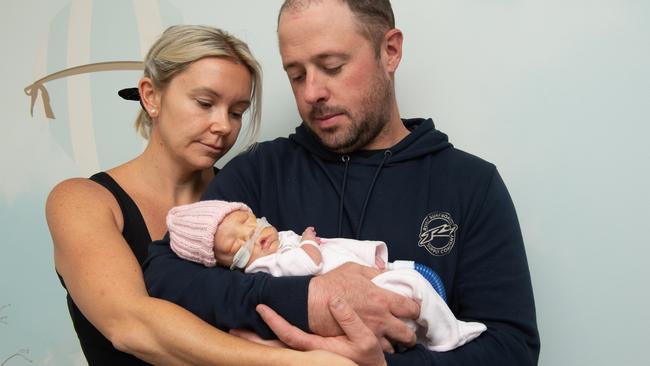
[264,242]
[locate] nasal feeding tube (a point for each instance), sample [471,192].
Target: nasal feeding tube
[244,253]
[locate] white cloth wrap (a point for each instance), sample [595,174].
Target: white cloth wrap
[438,328]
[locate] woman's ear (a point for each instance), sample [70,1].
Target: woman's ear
[392,49]
[149,96]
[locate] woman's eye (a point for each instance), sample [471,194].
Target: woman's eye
[204,104]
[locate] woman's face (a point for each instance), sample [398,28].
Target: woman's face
[201,111]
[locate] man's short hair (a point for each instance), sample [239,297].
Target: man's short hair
[375,17]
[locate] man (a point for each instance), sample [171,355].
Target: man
[355,169]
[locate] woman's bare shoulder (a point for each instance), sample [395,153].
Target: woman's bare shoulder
[79,192]
[80,200]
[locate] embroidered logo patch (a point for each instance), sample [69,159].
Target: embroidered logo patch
[438,233]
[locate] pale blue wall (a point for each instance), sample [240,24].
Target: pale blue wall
[555,93]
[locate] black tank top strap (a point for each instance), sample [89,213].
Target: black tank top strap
[135,230]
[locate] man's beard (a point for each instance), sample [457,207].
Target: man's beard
[364,126]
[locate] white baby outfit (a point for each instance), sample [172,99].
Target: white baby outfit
[436,327]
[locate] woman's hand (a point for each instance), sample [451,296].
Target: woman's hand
[253,337]
[323,358]
[358,344]
[317,357]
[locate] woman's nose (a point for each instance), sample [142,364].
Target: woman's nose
[220,123]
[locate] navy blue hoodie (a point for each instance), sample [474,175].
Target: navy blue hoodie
[428,201]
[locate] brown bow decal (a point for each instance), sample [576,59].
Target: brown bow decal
[33,89]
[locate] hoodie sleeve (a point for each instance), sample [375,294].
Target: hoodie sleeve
[221,297]
[492,286]
[225,298]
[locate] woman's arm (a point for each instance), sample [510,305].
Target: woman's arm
[105,281]
[358,342]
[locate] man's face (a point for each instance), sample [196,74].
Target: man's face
[342,89]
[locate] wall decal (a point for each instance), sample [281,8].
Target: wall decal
[21,353]
[36,87]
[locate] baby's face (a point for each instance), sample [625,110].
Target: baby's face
[233,232]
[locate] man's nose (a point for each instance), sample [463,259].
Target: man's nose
[316,89]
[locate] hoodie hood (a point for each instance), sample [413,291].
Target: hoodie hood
[424,139]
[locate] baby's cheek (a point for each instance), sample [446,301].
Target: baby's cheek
[269,230]
[215,240]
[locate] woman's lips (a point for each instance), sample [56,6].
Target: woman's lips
[213,147]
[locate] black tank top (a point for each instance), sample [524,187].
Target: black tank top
[98,350]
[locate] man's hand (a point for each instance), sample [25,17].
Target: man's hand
[379,309]
[358,343]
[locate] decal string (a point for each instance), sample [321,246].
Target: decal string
[33,89]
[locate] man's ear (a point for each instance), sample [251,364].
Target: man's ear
[391,51]
[149,96]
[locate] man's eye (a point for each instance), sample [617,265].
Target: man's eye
[296,78]
[333,70]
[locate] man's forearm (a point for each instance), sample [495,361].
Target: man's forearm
[221,297]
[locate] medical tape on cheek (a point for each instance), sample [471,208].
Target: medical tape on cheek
[244,253]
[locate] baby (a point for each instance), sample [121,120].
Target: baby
[229,234]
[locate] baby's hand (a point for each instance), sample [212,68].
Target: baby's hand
[308,238]
[310,234]
[313,252]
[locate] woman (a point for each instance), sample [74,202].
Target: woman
[198,81]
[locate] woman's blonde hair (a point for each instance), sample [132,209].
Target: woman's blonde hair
[181,45]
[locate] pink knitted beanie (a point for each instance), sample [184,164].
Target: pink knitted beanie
[192,228]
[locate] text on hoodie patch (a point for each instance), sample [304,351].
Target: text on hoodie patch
[438,233]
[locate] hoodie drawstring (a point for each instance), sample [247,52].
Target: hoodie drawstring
[387,154]
[346,160]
